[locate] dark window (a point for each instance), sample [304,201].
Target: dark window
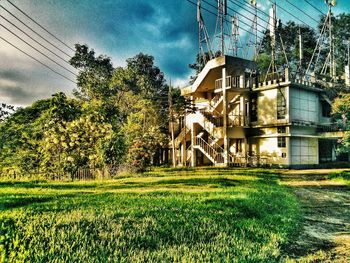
[281,103]
[239,145]
[326,109]
[254,108]
[284,155]
[281,129]
[281,142]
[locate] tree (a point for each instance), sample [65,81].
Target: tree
[142,132]
[341,110]
[21,133]
[5,111]
[76,144]
[95,73]
[289,34]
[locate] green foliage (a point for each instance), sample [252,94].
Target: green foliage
[341,110]
[115,111]
[23,131]
[95,73]
[207,215]
[71,145]
[289,33]
[5,111]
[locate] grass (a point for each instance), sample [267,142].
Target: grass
[166,215]
[342,177]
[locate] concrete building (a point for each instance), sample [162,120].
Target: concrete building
[242,120]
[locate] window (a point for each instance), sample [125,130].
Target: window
[254,108]
[281,142]
[281,129]
[239,145]
[284,155]
[326,109]
[281,103]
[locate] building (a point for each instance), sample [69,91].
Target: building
[241,119]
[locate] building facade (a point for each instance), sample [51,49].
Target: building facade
[242,120]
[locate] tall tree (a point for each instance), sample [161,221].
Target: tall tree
[94,73]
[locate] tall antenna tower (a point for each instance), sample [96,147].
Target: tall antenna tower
[203,36]
[272,27]
[220,24]
[253,3]
[235,35]
[330,59]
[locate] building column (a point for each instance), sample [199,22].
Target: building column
[193,150]
[289,148]
[225,122]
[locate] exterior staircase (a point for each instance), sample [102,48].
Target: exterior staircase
[214,156]
[181,136]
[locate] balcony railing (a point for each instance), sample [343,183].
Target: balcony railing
[231,82]
[238,120]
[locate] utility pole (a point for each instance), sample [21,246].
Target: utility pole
[272,23]
[347,67]
[170,100]
[301,54]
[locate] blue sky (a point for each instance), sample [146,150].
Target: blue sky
[166,29]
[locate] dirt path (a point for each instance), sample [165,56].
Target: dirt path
[325,231]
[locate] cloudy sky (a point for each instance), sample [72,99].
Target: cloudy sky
[166,29]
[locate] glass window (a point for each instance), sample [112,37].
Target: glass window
[281,103]
[281,142]
[281,129]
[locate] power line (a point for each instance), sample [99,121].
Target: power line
[302,11]
[267,15]
[37,50]
[35,32]
[211,12]
[314,7]
[232,17]
[35,40]
[40,25]
[246,16]
[292,15]
[260,11]
[37,60]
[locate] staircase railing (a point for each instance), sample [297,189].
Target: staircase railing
[216,98]
[216,121]
[210,151]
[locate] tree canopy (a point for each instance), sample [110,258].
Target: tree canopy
[118,116]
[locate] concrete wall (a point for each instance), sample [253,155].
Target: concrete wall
[267,107]
[268,148]
[304,151]
[304,105]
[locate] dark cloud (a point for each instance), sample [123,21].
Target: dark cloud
[18,95]
[166,29]
[14,74]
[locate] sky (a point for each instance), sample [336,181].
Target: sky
[120,29]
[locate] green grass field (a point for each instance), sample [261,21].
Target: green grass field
[167,215]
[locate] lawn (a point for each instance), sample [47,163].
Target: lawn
[166,215]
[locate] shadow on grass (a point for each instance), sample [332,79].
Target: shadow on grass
[17,202]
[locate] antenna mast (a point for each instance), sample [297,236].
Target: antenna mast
[330,60]
[203,36]
[272,25]
[255,28]
[235,35]
[221,18]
